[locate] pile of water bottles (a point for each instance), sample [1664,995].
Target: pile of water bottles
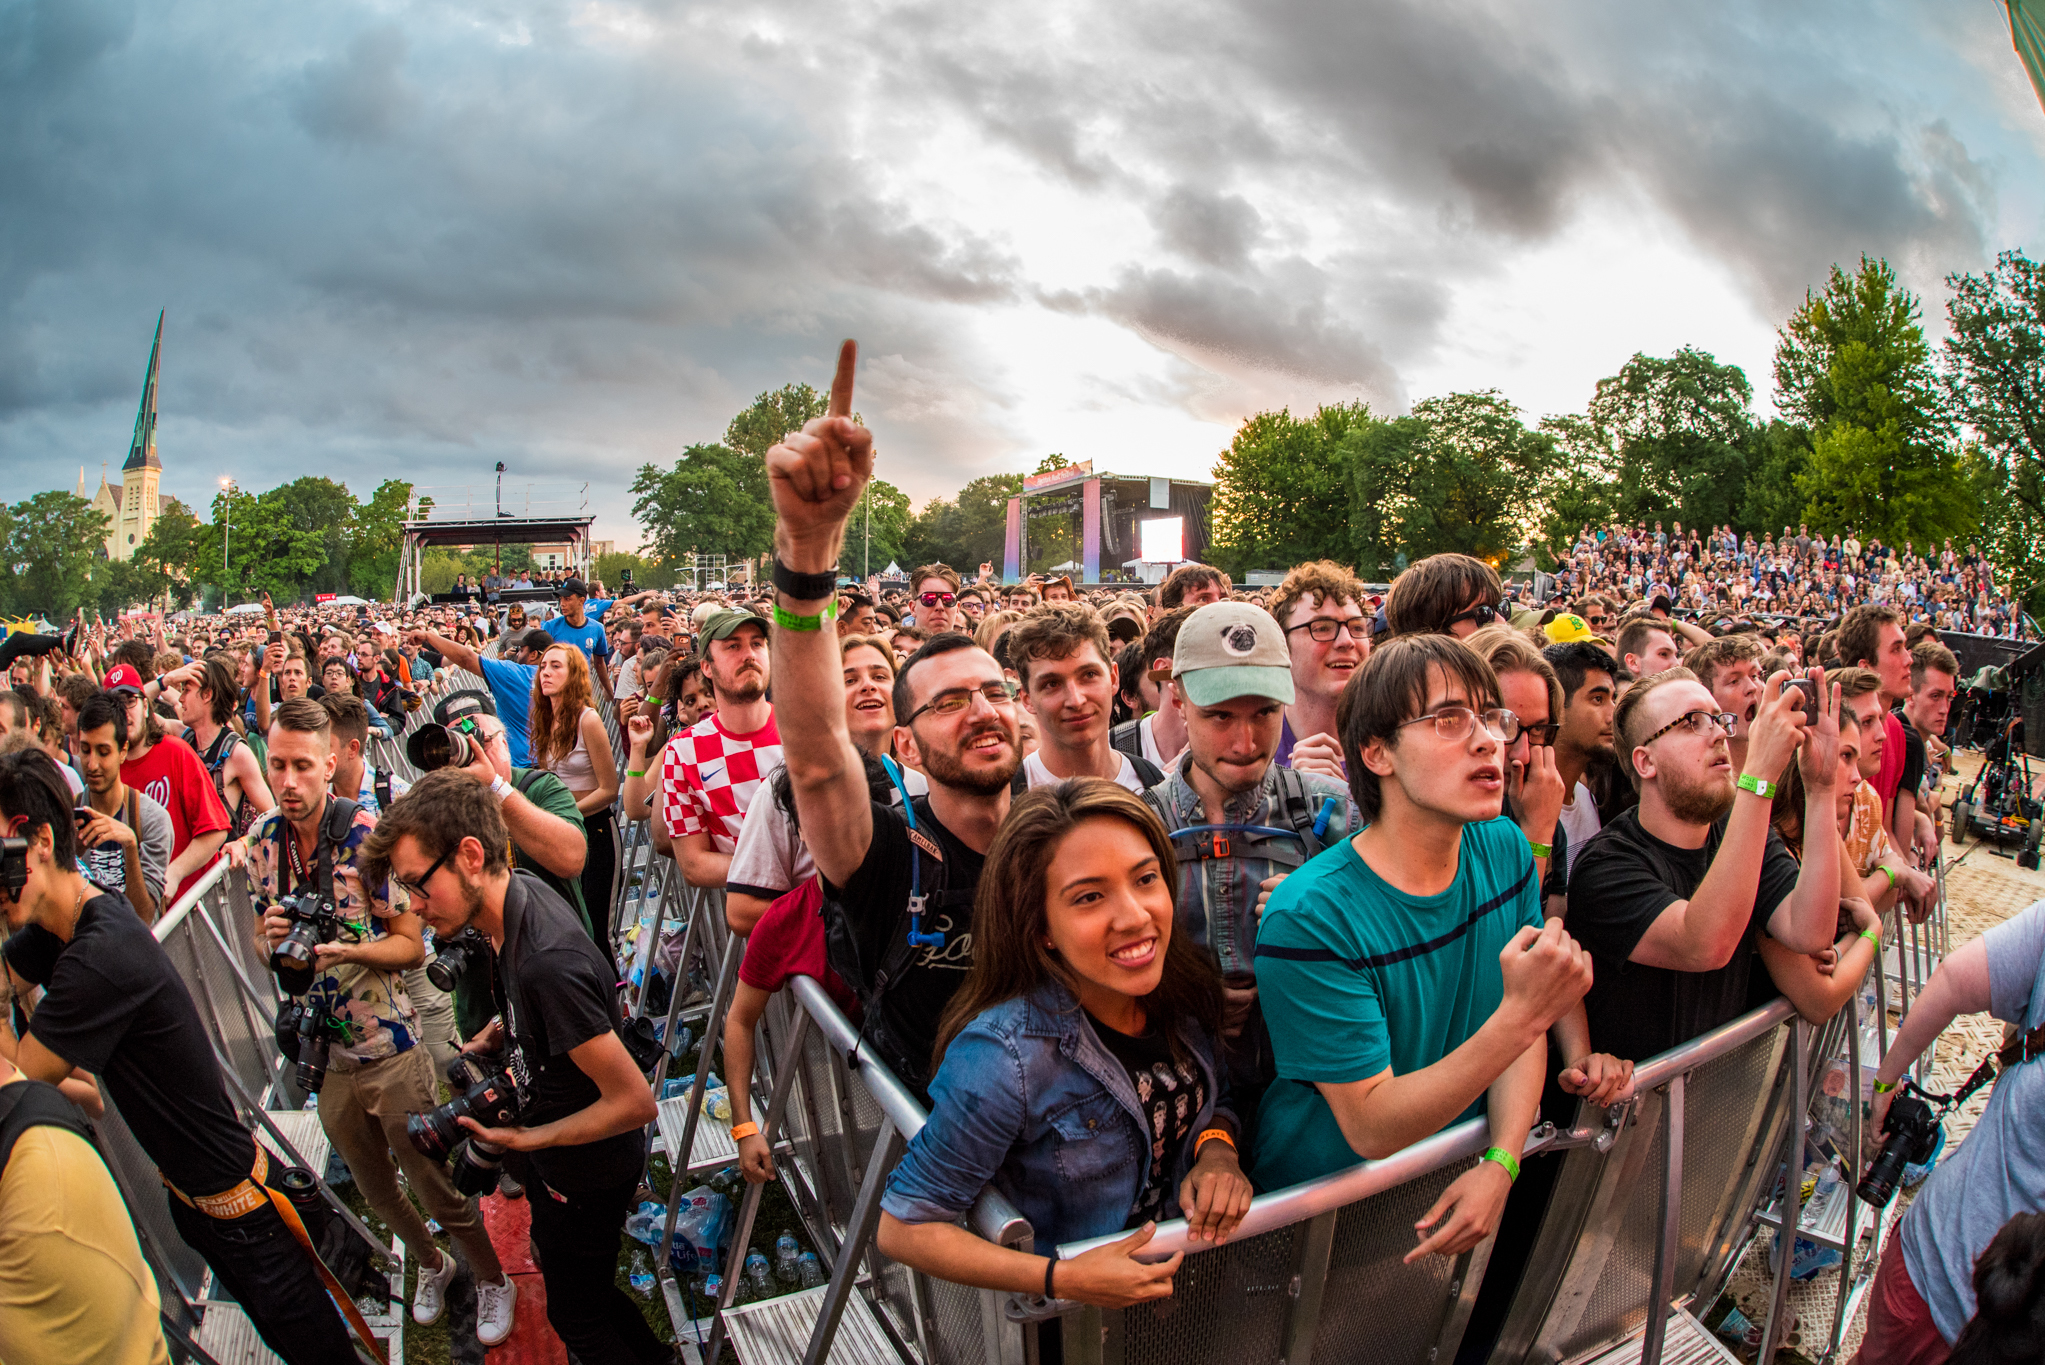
[701,1247]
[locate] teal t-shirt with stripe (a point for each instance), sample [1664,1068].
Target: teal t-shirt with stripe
[1355,976]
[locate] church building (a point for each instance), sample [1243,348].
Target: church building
[132,508]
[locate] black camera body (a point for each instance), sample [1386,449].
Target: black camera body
[305,1028]
[313,922]
[491,1098]
[1912,1138]
[13,865]
[452,957]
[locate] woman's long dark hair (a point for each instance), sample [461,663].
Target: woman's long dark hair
[1010,958]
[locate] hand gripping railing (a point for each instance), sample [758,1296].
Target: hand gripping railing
[1643,1212]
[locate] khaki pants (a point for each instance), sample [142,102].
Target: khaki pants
[435,1008]
[363,1111]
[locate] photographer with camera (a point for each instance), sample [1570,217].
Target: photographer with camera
[115,1006]
[1923,1294]
[578,1100]
[340,952]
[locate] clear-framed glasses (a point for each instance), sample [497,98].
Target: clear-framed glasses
[1699,723]
[954,700]
[1453,723]
[1323,629]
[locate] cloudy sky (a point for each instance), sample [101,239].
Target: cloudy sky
[412,240]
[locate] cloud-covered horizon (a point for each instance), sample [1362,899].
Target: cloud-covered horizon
[398,240]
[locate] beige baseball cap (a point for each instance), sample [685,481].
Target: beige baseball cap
[1232,649]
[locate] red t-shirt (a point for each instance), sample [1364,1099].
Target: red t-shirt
[1894,755]
[175,778]
[789,941]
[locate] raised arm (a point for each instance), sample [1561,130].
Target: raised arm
[456,653]
[816,476]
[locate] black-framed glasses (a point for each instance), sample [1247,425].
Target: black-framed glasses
[954,700]
[1700,723]
[936,599]
[418,888]
[1483,614]
[1453,723]
[1541,736]
[1322,630]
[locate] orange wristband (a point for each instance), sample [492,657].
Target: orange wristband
[743,1130]
[1218,1134]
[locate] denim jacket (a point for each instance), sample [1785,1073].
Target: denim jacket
[1031,1101]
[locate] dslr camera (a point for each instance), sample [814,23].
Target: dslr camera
[432,747]
[452,957]
[13,865]
[1912,1138]
[305,1028]
[313,921]
[491,1098]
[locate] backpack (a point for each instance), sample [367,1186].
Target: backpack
[240,815]
[1127,738]
[869,981]
[1300,834]
[1148,773]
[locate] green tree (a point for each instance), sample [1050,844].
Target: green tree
[1581,489]
[964,532]
[254,545]
[55,541]
[1051,464]
[1994,377]
[1852,364]
[1281,491]
[167,553]
[325,509]
[1773,496]
[879,529]
[1456,475]
[714,501]
[376,539]
[1682,430]
[774,415]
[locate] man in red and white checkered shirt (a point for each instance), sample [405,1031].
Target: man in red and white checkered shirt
[711,773]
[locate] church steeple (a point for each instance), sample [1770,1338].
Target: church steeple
[142,451]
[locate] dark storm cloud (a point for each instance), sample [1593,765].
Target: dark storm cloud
[410,240]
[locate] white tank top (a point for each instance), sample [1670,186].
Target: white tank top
[574,767]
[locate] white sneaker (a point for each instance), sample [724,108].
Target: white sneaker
[494,1303]
[429,1299]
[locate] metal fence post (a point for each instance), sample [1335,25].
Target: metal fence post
[1667,1244]
[887,1150]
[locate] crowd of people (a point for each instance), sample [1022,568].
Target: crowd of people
[1160,899]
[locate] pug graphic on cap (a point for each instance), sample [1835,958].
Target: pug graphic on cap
[1232,649]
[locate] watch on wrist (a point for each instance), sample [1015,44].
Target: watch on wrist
[1760,786]
[805,587]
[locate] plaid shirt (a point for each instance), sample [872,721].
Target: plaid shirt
[370,1000]
[708,777]
[1218,896]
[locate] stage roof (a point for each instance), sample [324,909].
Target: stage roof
[499,530]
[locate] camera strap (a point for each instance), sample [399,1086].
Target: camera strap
[334,827]
[2016,1052]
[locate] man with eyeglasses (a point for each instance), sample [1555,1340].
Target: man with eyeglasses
[1672,896]
[1406,977]
[955,721]
[1327,633]
[1446,594]
[933,603]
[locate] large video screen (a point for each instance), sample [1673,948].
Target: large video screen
[1164,540]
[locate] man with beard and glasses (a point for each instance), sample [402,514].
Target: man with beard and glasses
[1731,667]
[955,720]
[1671,897]
[710,772]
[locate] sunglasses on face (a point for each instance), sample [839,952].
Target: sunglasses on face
[1483,614]
[936,599]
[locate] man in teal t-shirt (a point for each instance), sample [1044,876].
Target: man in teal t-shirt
[1405,976]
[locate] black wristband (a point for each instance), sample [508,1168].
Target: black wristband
[1050,1264]
[805,587]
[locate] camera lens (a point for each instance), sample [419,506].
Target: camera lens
[450,960]
[491,1102]
[432,747]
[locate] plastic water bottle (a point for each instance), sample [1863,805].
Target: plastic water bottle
[787,1254]
[713,1290]
[809,1273]
[647,1224]
[759,1279]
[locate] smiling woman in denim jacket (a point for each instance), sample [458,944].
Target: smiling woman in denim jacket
[1076,1066]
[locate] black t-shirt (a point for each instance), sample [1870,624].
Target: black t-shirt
[1171,1093]
[556,993]
[875,899]
[1913,755]
[114,1005]
[1623,880]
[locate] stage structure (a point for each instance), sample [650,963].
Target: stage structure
[461,522]
[1104,527]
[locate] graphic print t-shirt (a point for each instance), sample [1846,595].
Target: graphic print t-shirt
[1171,1094]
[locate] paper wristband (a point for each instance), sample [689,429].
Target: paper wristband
[1503,1158]
[1760,786]
[788,620]
[744,1130]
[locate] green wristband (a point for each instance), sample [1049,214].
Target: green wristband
[1505,1159]
[788,620]
[1882,1089]
[1872,936]
[1760,786]
[1541,850]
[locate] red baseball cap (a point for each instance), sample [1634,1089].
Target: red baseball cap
[123,678]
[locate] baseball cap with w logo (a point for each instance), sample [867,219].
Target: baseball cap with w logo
[1227,650]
